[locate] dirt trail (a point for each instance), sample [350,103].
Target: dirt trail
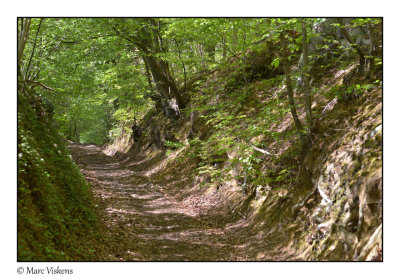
[144,224]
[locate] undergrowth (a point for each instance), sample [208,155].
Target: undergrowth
[240,120]
[56,217]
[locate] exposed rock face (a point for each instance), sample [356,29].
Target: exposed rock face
[347,222]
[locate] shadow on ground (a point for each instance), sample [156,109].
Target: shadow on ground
[143,224]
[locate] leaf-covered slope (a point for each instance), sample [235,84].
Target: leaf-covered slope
[56,217]
[238,141]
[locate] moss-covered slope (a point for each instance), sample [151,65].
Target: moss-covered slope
[56,217]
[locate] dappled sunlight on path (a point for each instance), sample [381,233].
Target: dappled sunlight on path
[142,224]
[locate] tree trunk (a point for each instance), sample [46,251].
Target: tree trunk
[23,38]
[234,38]
[74,134]
[307,96]
[147,72]
[372,38]
[165,84]
[359,50]
[162,95]
[33,50]
[224,47]
[69,135]
[150,43]
[286,68]
[210,51]
[244,35]
[183,66]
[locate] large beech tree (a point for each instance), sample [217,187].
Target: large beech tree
[147,38]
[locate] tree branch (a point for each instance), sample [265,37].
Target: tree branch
[33,50]
[220,38]
[41,84]
[80,41]
[261,150]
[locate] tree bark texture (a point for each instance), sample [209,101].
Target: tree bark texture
[289,86]
[23,38]
[359,50]
[307,96]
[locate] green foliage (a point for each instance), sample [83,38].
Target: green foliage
[341,91]
[378,61]
[236,118]
[90,65]
[275,62]
[173,145]
[87,68]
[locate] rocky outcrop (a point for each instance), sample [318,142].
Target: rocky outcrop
[347,222]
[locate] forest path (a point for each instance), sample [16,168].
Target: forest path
[142,224]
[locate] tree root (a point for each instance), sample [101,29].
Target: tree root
[296,208]
[373,240]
